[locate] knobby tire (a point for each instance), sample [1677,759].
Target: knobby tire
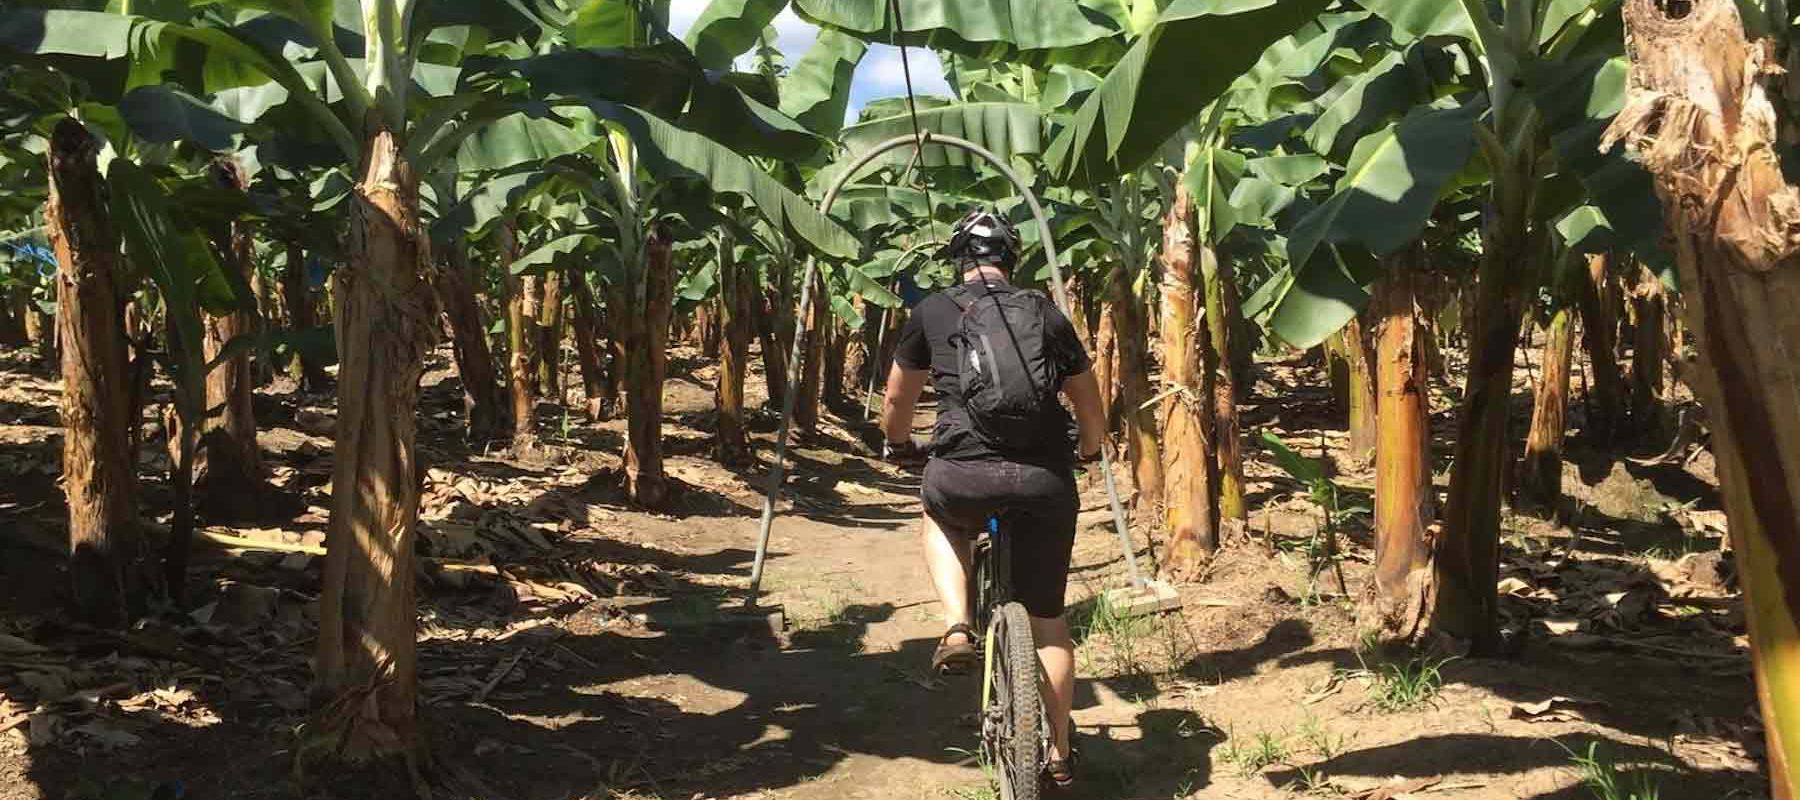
[1015,731]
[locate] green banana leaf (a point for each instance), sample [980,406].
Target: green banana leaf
[544,258]
[1419,19]
[1578,99]
[816,92]
[519,139]
[1036,32]
[1005,129]
[721,111]
[178,260]
[1212,177]
[604,23]
[165,115]
[673,152]
[730,28]
[1196,51]
[1367,99]
[1384,199]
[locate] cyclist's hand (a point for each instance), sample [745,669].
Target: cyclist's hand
[904,454]
[1088,458]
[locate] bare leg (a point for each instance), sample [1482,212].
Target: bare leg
[947,558]
[1057,652]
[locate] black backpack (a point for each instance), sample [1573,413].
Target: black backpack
[1007,378]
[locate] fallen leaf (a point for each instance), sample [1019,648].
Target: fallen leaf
[1514,586]
[1555,709]
[1396,790]
[1561,626]
[15,646]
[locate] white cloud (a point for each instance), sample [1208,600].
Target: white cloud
[793,35]
[879,75]
[682,14]
[884,73]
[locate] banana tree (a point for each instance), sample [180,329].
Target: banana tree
[1701,112]
[1530,138]
[105,543]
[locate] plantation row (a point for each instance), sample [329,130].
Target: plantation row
[215,192]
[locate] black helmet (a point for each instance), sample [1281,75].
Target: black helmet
[984,236]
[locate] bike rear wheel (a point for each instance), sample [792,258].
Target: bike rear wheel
[1012,729]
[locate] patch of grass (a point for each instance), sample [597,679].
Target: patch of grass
[1111,642]
[1404,686]
[1313,781]
[1688,544]
[1262,750]
[1319,737]
[1396,686]
[988,789]
[1602,777]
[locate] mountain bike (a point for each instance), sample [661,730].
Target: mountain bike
[1014,731]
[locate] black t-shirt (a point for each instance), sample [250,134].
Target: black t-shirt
[925,344]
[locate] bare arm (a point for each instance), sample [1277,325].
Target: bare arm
[903,388]
[1083,392]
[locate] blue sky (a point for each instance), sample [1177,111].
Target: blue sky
[880,74]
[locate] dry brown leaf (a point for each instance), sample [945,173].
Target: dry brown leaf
[1561,626]
[1396,790]
[1555,709]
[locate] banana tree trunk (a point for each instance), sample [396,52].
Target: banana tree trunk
[1700,117]
[1106,365]
[1187,457]
[298,301]
[1395,600]
[587,344]
[12,318]
[706,331]
[646,362]
[1354,383]
[386,324]
[18,316]
[1222,346]
[105,544]
[141,369]
[837,358]
[1466,605]
[1649,347]
[230,472]
[521,326]
[549,339]
[1133,377]
[614,373]
[40,328]
[1599,330]
[806,410]
[482,400]
[1078,310]
[1540,479]
[777,332]
[737,305]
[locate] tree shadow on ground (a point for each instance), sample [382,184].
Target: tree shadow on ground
[1449,755]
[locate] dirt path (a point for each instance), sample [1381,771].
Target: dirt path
[1257,689]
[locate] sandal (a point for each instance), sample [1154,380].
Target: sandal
[1061,772]
[954,659]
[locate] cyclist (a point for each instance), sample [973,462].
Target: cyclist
[970,477]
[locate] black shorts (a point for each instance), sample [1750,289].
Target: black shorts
[1035,505]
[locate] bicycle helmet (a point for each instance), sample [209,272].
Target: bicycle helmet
[982,236]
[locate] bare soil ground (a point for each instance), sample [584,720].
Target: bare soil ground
[572,646]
